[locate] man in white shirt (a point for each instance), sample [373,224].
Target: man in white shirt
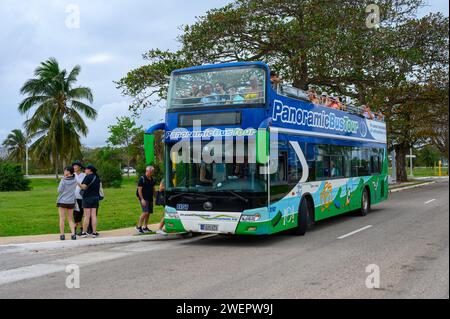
[78,211]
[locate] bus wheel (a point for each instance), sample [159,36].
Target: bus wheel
[305,218]
[365,203]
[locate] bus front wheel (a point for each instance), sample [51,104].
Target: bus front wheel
[365,202]
[305,218]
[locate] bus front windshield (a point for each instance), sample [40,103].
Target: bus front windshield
[227,86]
[236,172]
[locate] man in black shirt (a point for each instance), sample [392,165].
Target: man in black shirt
[145,195]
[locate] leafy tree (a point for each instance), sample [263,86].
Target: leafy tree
[16,145]
[57,106]
[428,156]
[325,45]
[122,135]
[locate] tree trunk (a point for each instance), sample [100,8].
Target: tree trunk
[400,160]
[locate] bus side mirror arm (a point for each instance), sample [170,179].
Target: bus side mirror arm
[149,142]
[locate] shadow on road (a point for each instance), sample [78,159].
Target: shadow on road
[268,240]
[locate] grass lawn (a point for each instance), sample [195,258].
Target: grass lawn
[426,171]
[34,212]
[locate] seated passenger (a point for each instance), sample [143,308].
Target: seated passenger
[195,90]
[274,80]
[209,97]
[235,98]
[313,97]
[324,98]
[241,170]
[220,91]
[367,112]
[334,170]
[335,103]
[205,175]
[343,106]
[380,116]
[254,94]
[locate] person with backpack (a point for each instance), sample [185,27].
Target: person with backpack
[145,194]
[90,191]
[66,201]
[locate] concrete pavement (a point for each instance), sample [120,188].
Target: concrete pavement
[406,237]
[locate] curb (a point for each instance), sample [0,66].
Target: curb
[52,245]
[410,187]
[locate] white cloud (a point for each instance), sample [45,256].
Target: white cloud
[98,58]
[108,114]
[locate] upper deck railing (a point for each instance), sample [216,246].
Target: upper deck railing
[299,94]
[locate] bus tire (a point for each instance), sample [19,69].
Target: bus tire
[305,218]
[365,202]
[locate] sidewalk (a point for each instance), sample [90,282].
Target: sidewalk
[124,232]
[417,182]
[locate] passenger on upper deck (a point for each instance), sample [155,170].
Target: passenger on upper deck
[368,113]
[335,104]
[380,116]
[220,91]
[313,97]
[195,90]
[274,80]
[235,98]
[253,93]
[209,97]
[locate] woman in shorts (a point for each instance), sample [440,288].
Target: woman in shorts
[66,201]
[91,198]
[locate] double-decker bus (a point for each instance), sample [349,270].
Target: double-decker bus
[242,157]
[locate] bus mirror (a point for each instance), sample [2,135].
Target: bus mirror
[262,146]
[149,148]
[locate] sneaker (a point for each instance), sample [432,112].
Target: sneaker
[146,230]
[81,232]
[62,237]
[74,237]
[95,235]
[84,235]
[161,232]
[139,230]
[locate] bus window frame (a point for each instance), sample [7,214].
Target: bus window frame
[266,86]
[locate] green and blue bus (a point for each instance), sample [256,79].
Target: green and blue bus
[244,157]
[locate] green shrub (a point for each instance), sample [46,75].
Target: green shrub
[110,174]
[11,178]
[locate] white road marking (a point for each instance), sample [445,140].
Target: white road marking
[430,201]
[86,259]
[354,232]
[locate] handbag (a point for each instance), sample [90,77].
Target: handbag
[83,191]
[159,200]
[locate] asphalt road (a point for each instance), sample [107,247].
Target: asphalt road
[406,237]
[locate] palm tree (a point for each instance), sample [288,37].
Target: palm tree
[56,122]
[16,146]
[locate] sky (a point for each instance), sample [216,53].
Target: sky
[107,40]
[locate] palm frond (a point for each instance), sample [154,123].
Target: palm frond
[83,93]
[88,111]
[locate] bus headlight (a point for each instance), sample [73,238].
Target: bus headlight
[251,218]
[172,216]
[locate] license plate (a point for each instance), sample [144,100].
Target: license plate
[209,227]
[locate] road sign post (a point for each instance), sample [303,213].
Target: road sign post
[411,156]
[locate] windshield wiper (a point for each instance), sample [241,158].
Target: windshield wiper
[195,195]
[245,200]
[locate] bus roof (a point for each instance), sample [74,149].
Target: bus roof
[220,65]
